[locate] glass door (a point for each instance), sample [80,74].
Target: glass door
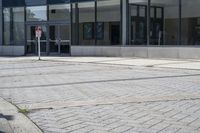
[54,39]
[31,45]
[138,31]
[59,39]
[64,39]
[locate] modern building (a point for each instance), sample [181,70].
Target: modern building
[140,28]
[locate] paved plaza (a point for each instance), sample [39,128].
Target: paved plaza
[104,95]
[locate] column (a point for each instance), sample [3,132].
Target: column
[124,22]
[148,21]
[1,23]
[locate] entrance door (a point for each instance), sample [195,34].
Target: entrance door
[138,30]
[156,32]
[31,45]
[59,39]
[115,33]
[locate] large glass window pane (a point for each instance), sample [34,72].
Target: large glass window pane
[190,22]
[35,2]
[36,13]
[86,23]
[59,12]
[138,22]
[164,28]
[13,26]
[7,26]
[18,25]
[108,22]
[12,3]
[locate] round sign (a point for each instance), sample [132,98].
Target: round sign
[38,31]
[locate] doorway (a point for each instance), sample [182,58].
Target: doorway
[59,39]
[31,43]
[138,30]
[115,33]
[55,39]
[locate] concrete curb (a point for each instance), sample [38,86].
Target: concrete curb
[4,125]
[18,123]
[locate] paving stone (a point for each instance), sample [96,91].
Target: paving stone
[26,83]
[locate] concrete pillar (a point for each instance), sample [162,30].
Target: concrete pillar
[148,21]
[124,22]
[1,25]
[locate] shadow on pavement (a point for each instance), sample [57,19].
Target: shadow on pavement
[7,117]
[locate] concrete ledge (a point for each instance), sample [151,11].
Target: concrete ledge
[137,51]
[12,50]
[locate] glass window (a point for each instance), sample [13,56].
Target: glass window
[159,12]
[58,1]
[137,22]
[190,31]
[59,12]
[7,26]
[12,3]
[35,2]
[164,29]
[108,22]
[18,25]
[88,31]
[133,10]
[13,26]
[86,23]
[152,12]
[142,11]
[36,13]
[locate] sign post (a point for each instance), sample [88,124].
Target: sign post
[38,34]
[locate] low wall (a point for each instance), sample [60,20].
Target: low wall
[12,50]
[144,52]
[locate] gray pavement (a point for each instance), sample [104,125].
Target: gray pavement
[102,94]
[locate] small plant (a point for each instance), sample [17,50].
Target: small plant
[23,111]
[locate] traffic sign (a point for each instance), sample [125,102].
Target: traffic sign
[38,32]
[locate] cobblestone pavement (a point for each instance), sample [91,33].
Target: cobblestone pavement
[82,97]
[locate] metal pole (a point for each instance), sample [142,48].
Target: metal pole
[39,48]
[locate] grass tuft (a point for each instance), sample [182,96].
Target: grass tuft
[23,111]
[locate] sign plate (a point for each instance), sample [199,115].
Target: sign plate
[38,32]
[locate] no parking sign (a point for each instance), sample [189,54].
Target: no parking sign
[38,34]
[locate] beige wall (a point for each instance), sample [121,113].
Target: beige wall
[144,52]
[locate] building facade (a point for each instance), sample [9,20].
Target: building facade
[140,28]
